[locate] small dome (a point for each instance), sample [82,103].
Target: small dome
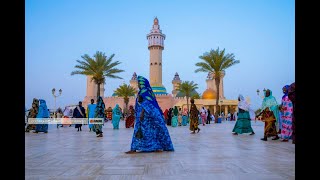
[209,94]
[159,90]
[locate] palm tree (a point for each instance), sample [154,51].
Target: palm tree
[187,88]
[125,91]
[98,67]
[216,61]
[196,96]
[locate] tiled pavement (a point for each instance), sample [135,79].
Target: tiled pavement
[214,153]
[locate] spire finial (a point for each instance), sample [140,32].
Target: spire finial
[156,21]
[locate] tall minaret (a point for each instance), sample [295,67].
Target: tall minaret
[176,82]
[156,45]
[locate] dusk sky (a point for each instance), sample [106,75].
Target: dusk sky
[261,34]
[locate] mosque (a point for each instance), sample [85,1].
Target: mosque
[165,100]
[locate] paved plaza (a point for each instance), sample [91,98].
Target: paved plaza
[214,153]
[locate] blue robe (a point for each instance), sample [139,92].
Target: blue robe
[91,112]
[174,121]
[154,130]
[99,113]
[184,120]
[42,113]
[116,115]
[199,120]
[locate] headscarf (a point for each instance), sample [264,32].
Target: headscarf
[99,111]
[272,104]
[109,109]
[34,108]
[269,101]
[175,111]
[286,87]
[170,113]
[203,110]
[116,110]
[193,111]
[243,103]
[166,113]
[131,110]
[146,92]
[185,111]
[43,110]
[292,93]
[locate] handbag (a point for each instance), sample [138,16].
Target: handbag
[139,134]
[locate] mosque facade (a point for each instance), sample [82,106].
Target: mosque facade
[165,100]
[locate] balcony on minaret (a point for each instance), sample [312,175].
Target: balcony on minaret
[155,37]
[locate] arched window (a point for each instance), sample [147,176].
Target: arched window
[150,64]
[159,64]
[155,63]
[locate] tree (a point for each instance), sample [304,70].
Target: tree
[196,96]
[187,88]
[99,67]
[125,91]
[216,61]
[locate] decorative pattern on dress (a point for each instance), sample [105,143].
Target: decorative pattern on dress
[155,133]
[99,113]
[286,117]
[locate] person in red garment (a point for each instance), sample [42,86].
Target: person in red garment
[130,118]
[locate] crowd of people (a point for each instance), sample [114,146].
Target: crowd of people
[150,122]
[278,118]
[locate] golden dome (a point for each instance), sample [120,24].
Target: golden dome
[209,94]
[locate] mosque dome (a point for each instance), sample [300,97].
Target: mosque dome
[209,94]
[157,90]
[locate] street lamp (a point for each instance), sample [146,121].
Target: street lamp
[264,92]
[220,106]
[55,97]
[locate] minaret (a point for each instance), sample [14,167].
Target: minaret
[92,89]
[155,46]
[175,82]
[134,82]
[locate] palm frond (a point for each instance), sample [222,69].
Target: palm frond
[216,61]
[125,91]
[113,76]
[78,72]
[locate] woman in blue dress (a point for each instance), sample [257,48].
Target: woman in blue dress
[116,115]
[174,121]
[91,112]
[185,117]
[150,132]
[99,113]
[43,113]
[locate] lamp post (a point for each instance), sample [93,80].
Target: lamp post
[55,97]
[264,92]
[220,106]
